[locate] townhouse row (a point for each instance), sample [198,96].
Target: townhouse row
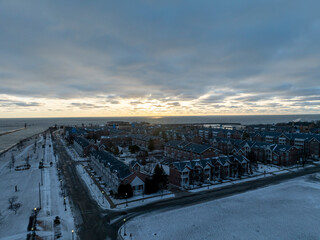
[181,150]
[282,155]
[307,143]
[114,172]
[194,172]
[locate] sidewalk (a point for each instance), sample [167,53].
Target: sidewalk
[112,205]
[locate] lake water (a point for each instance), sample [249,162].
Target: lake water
[37,125]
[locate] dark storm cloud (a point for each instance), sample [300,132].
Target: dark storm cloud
[87,105]
[114,102]
[136,102]
[173,104]
[161,50]
[9,103]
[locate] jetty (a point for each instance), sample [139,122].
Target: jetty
[11,131]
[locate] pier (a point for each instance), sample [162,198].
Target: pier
[11,131]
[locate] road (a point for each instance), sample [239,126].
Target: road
[89,218]
[96,223]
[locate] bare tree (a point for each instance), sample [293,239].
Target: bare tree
[16,207]
[13,160]
[35,146]
[10,166]
[12,200]
[20,144]
[27,160]
[1,217]
[13,205]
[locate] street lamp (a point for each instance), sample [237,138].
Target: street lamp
[124,227]
[65,205]
[126,200]
[35,215]
[72,234]
[102,196]
[208,182]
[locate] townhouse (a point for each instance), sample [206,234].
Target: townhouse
[181,150]
[115,172]
[314,146]
[143,141]
[193,172]
[285,155]
[82,146]
[282,155]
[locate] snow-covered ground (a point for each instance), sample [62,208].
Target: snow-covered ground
[266,168]
[14,226]
[290,210]
[140,200]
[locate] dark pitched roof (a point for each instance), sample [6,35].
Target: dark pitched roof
[262,145]
[316,137]
[305,136]
[113,163]
[197,148]
[144,137]
[82,142]
[176,144]
[182,165]
[282,148]
[140,175]
[241,159]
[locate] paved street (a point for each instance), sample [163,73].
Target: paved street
[90,219]
[96,223]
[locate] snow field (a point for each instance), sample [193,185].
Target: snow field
[15,226]
[290,210]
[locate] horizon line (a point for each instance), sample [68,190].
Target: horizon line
[164,116]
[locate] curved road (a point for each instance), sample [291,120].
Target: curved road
[95,223]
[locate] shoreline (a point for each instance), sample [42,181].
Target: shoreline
[22,140]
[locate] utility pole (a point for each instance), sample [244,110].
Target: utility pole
[41,175]
[39,196]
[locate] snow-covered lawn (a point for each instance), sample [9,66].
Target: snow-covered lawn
[290,210]
[267,168]
[14,226]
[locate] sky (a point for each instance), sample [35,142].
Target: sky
[159,58]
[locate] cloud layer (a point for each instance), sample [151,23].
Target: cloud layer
[162,57]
